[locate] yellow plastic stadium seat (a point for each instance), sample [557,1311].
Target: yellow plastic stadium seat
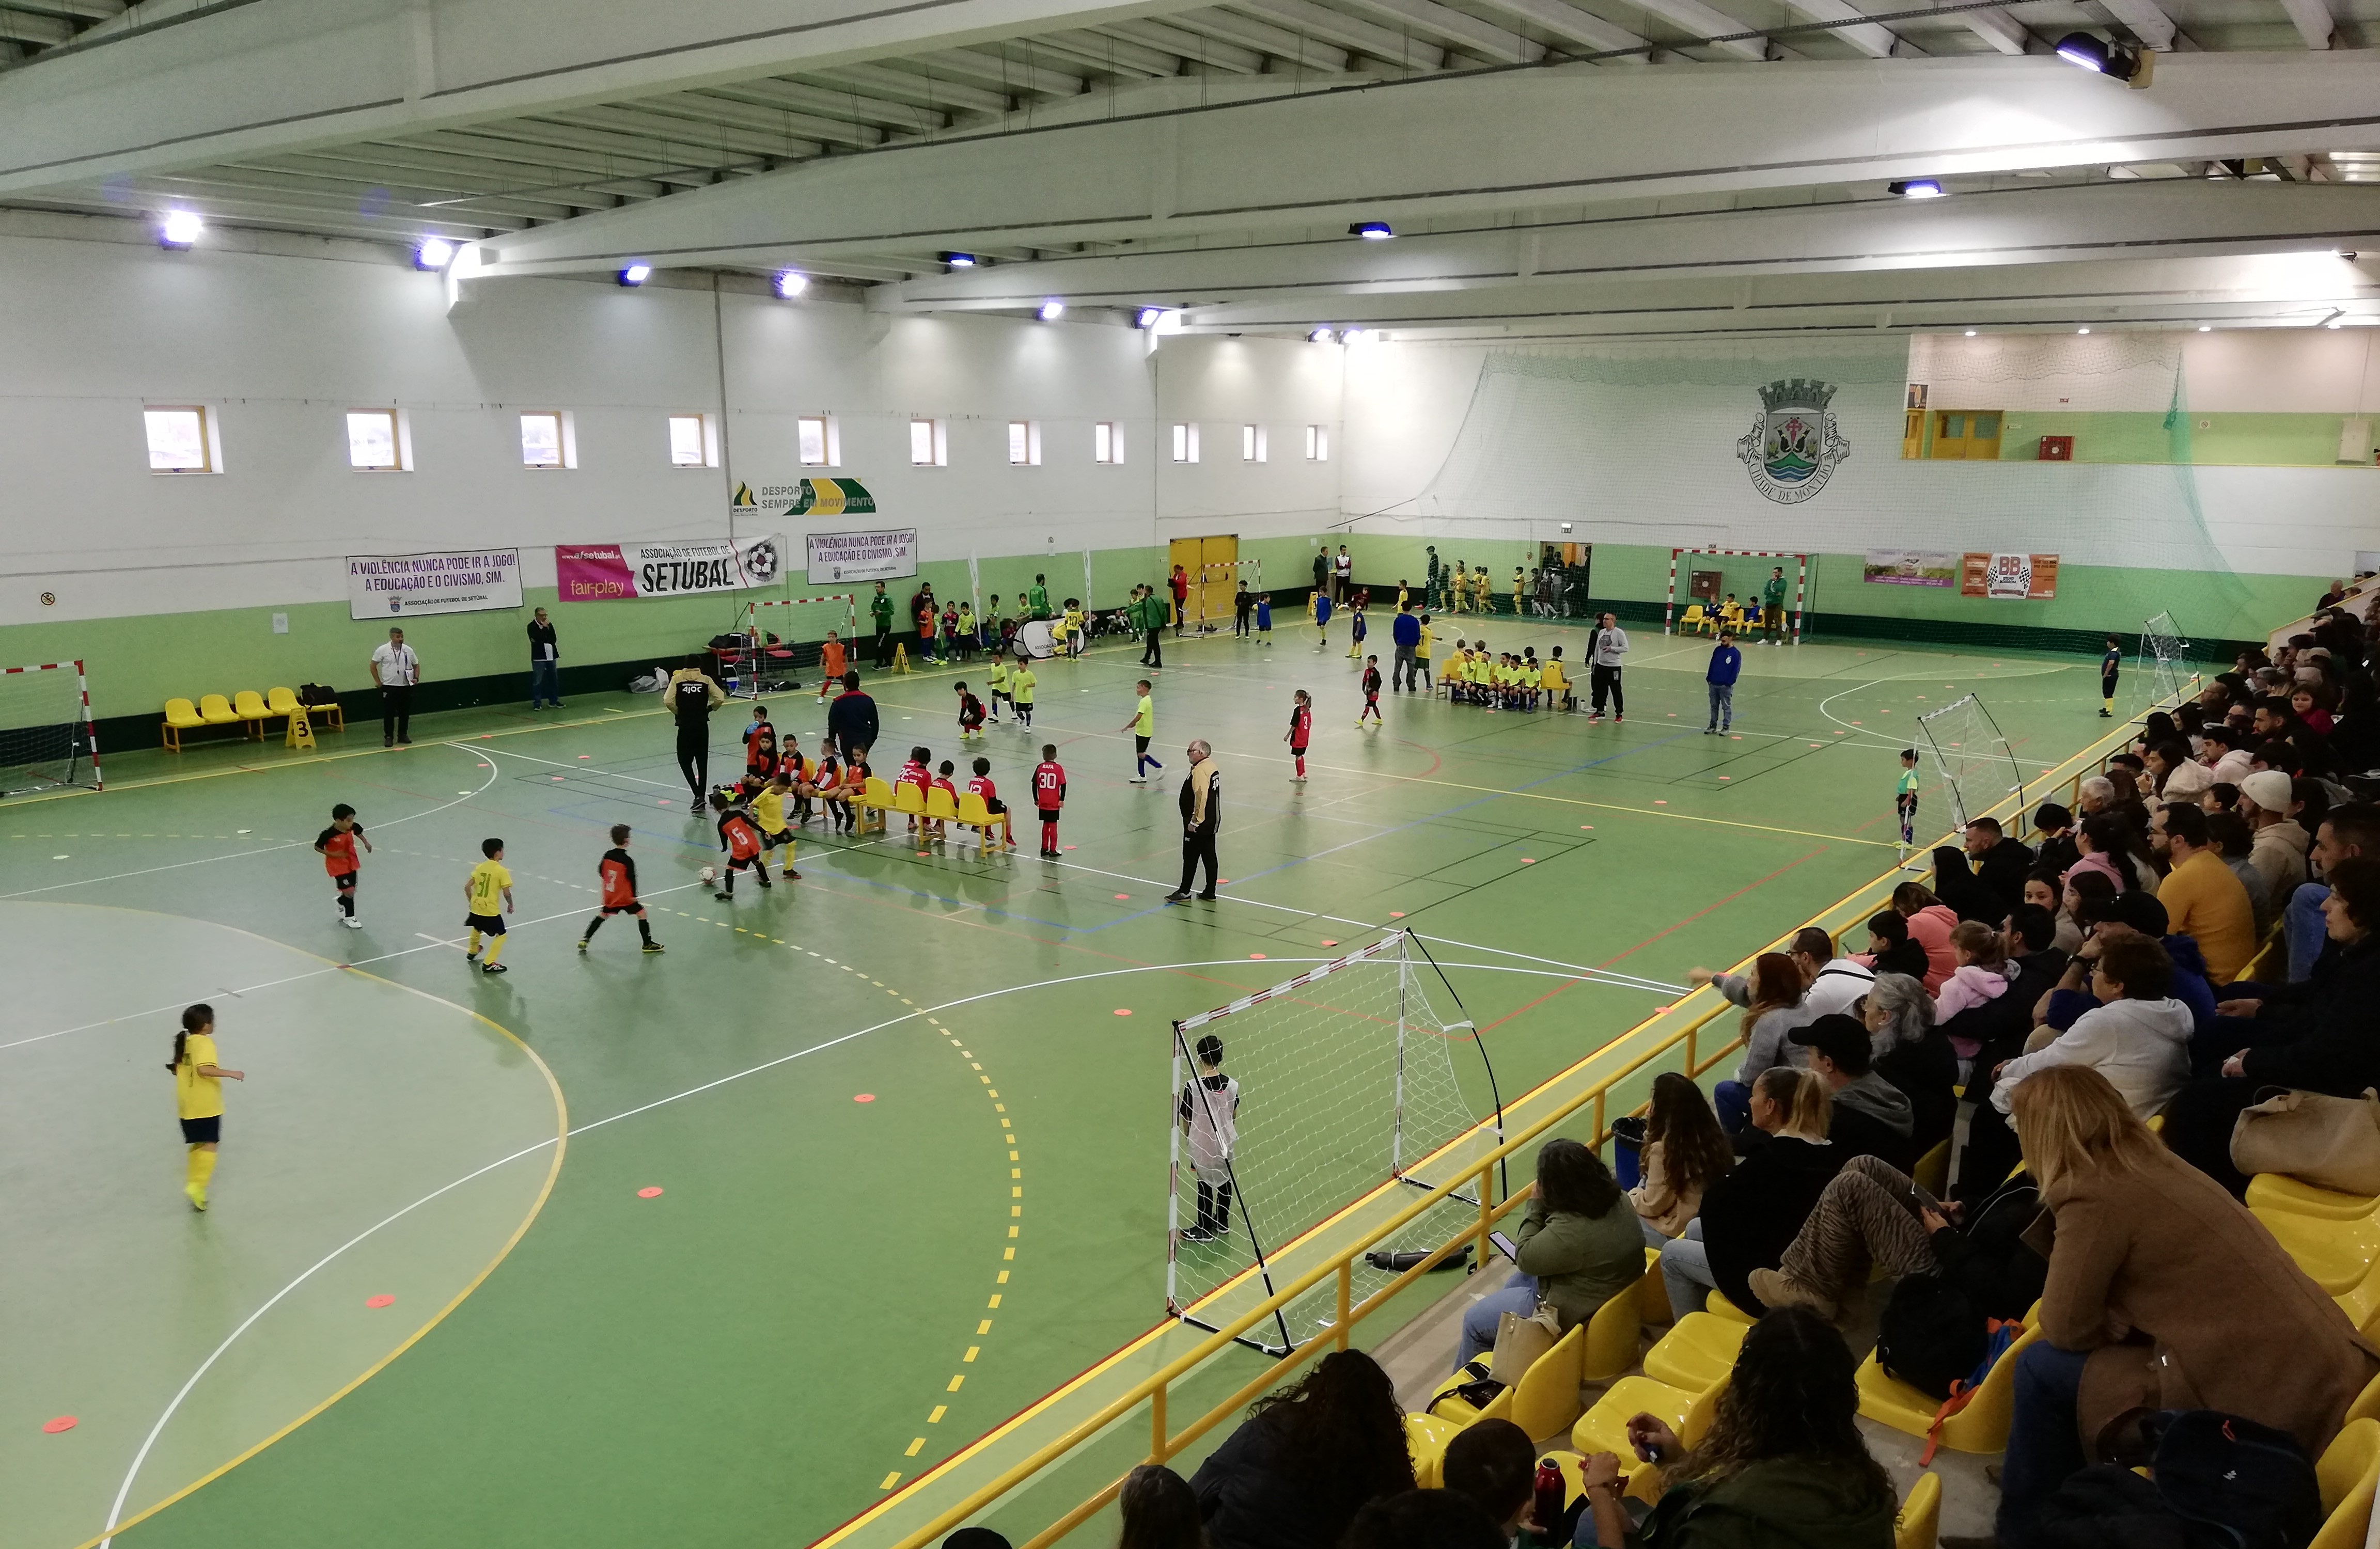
[2366,1405]
[2334,1253]
[940,807]
[1605,1427]
[1932,1173]
[216,711]
[876,797]
[905,799]
[1462,1412]
[181,717]
[2361,1302]
[1692,619]
[1613,1335]
[2347,1471]
[280,701]
[1920,1519]
[1981,1426]
[1545,1401]
[1698,1354]
[248,705]
[2278,1191]
[974,815]
[1718,1306]
[1427,1437]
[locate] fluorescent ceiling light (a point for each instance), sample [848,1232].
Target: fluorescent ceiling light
[1371,231]
[1971,333]
[1320,336]
[1051,311]
[2082,49]
[181,228]
[2082,330]
[2207,328]
[435,252]
[1918,187]
[1147,317]
[789,284]
[960,260]
[636,275]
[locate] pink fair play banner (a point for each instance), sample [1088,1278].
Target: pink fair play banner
[613,571]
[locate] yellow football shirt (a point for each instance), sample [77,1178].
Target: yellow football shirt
[197,1096]
[1144,723]
[489,880]
[1020,686]
[769,810]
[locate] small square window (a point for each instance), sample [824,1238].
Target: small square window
[1185,444]
[1107,441]
[1252,443]
[692,442]
[1024,442]
[929,444]
[1317,443]
[179,441]
[376,441]
[814,444]
[546,441]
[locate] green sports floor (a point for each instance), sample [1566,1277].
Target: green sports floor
[732,1244]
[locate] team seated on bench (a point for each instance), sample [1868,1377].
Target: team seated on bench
[843,791]
[1504,680]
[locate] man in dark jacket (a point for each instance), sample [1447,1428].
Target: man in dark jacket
[1999,1027]
[1870,1117]
[2053,835]
[1202,817]
[851,721]
[1986,879]
[1405,633]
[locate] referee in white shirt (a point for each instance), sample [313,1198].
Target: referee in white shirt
[395,668]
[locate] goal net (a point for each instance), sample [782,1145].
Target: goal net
[1978,769]
[800,627]
[1292,1104]
[1750,593]
[2164,661]
[46,737]
[1214,587]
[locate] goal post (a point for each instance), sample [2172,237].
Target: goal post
[2164,662]
[1207,615]
[1800,564]
[1977,767]
[48,738]
[800,624]
[1288,1106]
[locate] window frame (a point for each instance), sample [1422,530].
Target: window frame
[1317,443]
[566,435]
[938,443]
[1185,441]
[1111,433]
[1252,443]
[830,440]
[1025,435]
[707,430]
[400,438]
[210,437]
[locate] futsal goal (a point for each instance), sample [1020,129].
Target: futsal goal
[1798,563]
[47,740]
[1973,761]
[799,625]
[2164,661]
[1212,590]
[1288,1106]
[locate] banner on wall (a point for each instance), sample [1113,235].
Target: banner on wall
[862,556]
[617,571]
[2019,576]
[409,585]
[1910,567]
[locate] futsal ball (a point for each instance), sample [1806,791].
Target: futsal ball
[710,874]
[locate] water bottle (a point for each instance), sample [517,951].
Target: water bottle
[1546,1512]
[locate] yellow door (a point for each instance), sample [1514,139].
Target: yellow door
[1211,564]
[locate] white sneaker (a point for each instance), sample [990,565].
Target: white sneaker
[354,924]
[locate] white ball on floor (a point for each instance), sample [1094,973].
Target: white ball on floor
[710,874]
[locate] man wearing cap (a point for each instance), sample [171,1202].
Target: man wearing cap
[2201,899]
[2266,800]
[1985,879]
[1870,1115]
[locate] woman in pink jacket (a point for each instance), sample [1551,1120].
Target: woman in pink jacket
[2105,843]
[1929,925]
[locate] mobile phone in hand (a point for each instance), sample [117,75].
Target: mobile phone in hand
[1504,1246]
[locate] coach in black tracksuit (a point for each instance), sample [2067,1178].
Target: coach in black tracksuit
[1202,817]
[691,697]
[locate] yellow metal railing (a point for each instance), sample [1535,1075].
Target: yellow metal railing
[1153,1390]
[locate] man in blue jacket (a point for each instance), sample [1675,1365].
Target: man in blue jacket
[1726,661]
[1406,632]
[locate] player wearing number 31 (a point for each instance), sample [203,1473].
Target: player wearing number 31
[1202,815]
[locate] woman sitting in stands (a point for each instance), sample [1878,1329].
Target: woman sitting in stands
[2164,1293]
[1308,1457]
[1930,921]
[1685,1152]
[1579,1246]
[1750,1216]
[1784,1462]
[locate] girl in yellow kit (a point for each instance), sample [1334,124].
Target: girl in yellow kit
[198,1097]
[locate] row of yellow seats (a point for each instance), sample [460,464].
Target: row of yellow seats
[245,709]
[1710,620]
[934,804]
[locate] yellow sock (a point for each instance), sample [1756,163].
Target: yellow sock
[201,1167]
[495,949]
[473,944]
[2110,704]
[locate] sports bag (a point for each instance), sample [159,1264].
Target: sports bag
[310,694]
[1930,1336]
[2236,1484]
[2332,1143]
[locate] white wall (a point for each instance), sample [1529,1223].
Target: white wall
[279,346]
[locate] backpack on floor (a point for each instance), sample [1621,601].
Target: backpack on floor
[1930,1336]
[2239,1484]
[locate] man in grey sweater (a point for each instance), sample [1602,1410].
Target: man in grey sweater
[1605,653]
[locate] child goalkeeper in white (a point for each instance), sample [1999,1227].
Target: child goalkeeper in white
[1209,1116]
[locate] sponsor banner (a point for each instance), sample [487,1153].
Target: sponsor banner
[615,572]
[2020,576]
[862,556]
[1910,567]
[408,586]
[808,497]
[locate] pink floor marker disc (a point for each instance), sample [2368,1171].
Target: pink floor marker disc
[1673,715]
[865,1098]
[1330,943]
[1735,737]
[1121,896]
[1531,860]
[1255,957]
[1396,913]
[583,757]
[1812,745]
[1658,1010]
[649,1192]
[1660,804]
[1123,1011]
[557,777]
[1070,847]
[52,1427]
[383,1300]
[1727,777]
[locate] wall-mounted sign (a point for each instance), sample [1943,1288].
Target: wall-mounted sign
[621,572]
[862,556]
[407,585]
[1910,567]
[2019,576]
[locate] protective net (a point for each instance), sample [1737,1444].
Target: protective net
[45,734]
[2165,670]
[799,626]
[1294,1103]
[1209,606]
[1974,764]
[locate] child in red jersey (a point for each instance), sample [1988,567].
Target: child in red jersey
[981,785]
[1049,796]
[942,783]
[337,845]
[1301,731]
[970,712]
[619,875]
[1371,693]
[918,772]
[742,842]
[760,754]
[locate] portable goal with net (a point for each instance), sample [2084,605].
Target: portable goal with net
[47,740]
[1800,564]
[1209,615]
[1332,1085]
[2164,661]
[1977,768]
[800,624]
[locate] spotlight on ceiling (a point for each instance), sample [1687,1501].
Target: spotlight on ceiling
[1354,336]
[790,284]
[636,275]
[1321,336]
[1971,333]
[181,229]
[1051,311]
[2082,330]
[2113,60]
[435,252]
[1147,317]
[1371,231]
[960,260]
[1918,187]
[2207,328]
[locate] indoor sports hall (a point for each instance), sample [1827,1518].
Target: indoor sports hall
[883,777]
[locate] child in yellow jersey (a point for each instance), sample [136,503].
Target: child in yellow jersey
[490,885]
[999,695]
[1421,651]
[198,1097]
[1556,684]
[1020,692]
[1451,676]
[768,816]
[1078,635]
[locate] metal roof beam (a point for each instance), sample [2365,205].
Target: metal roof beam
[1289,44]
[935,90]
[1188,45]
[1305,18]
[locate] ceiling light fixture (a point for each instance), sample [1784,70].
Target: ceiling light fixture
[181,228]
[1371,231]
[960,260]
[1971,333]
[2115,61]
[434,253]
[636,275]
[1918,187]
[2082,330]
[1321,336]
[790,284]
[1354,336]
[1147,317]
[2207,328]
[1051,311]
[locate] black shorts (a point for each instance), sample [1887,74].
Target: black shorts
[1049,813]
[203,1132]
[632,907]
[995,806]
[746,863]
[1140,744]
[492,925]
[343,881]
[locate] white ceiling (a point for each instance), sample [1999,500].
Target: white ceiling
[1666,168]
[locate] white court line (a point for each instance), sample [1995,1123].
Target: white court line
[266,850]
